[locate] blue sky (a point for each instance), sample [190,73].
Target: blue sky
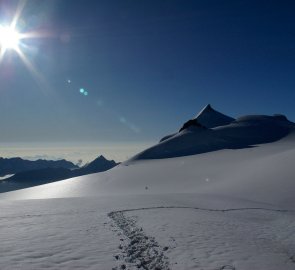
[147,67]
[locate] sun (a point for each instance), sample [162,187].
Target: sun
[9,38]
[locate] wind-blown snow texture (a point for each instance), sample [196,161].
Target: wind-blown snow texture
[227,209]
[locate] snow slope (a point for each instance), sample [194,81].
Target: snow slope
[263,173]
[233,208]
[242,133]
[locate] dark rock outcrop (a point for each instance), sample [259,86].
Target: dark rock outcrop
[191,123]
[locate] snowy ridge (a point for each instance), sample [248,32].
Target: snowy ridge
[244,132]
[210,118]
[206,118]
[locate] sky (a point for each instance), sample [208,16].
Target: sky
[109,73]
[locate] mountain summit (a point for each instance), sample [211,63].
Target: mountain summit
[206,118]
[210,118]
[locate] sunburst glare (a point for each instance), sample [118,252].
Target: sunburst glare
[9,37]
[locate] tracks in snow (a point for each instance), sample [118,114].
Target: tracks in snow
[142,251]
[206,209]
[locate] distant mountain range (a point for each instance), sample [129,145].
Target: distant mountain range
[16,165]
[42,174]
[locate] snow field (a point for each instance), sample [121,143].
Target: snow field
[227,209]
[243,239]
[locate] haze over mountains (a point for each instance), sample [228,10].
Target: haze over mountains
[46,171]
[16,165]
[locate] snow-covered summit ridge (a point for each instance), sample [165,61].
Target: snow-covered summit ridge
[211,131]
[206,118]
[210,118]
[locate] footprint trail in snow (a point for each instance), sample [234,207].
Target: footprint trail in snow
[141,251]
